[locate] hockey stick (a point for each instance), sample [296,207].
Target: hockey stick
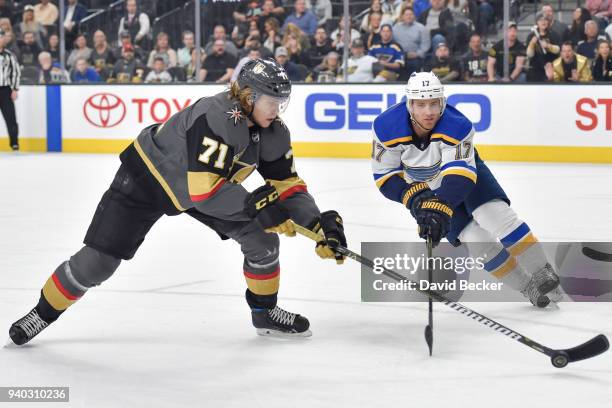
[429,327]
[559,358]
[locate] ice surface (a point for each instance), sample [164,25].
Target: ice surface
[171,327]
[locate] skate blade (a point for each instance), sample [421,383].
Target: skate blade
[281,334]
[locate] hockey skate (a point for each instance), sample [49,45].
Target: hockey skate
[541,284]
[277,322]
[26,328]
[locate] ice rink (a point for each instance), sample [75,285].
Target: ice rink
[172,329]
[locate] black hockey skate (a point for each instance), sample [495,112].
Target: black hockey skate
[542,282]
[280,323]
[26,328]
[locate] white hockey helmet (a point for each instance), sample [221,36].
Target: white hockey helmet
[425,85]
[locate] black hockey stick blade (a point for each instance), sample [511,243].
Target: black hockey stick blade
[594,347]
[429,338]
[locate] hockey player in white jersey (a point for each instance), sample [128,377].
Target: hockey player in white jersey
[424,157]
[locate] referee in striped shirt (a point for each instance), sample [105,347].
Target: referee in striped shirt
[10,73]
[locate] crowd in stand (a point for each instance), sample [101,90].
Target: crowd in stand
[389,40]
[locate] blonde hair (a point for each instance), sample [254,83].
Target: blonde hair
[244,96]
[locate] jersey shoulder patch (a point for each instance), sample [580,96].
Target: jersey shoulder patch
[392,127]
[452,128]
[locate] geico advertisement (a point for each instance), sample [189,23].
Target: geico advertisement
[30,108]
[507,115]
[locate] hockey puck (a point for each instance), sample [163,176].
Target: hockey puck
[560,359]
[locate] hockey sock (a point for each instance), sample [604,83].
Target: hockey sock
[263,281]
[522,244]
[59,293]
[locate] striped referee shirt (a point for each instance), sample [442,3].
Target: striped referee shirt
[10,72]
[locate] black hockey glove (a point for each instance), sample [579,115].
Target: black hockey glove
[434,218]
[264,207]
[414,195]
[331,224]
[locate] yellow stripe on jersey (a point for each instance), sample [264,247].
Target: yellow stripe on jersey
[437,136]
[460,172]
[404,139]
[282,186]
[383,179]
[160,179]
[202,183]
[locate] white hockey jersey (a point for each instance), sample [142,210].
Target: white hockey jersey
[446,162]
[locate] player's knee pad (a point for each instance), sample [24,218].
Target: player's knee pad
[260,247]
[497,217]
[91,267]
[479,241]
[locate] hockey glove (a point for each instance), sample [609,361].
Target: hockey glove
[331,224]
[264,207]
[414,195]
[434,218]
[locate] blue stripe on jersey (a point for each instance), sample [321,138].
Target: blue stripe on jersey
[379,175]
[458,163]
[497,261]
[454,189]
[394,188]
[516,235]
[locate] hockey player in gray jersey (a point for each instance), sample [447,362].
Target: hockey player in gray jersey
[194,164]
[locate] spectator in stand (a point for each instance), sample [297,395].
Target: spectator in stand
[29,50]
[293,71]
[579,19]
[219,66]
[83,73]
[162,49]
[482,13]
[588,47]
[269,9]
[53,47]
[438,20]
[158,75]
[337,36]
[126,39]
[361,67]
[302,38]
[271,34]
[184,54]
[80,50]
[254,53]
[302,17]
[389,55]
[414,39]
[542,49]
[6,10]
[297,54]
[372,35]
[9,37]
[602,66]
[102,58]
[516,58]
[327,71]
[420,6]
[190,69]
[321,46]
[474,62]
[75,12]
[608,31]
[28,24]
[322,9]
[560,29]
[46,13]
[443,64]
[128,68]
[219,33]
[50,72]
[247,11]
[601,10]
[136,23]
[386,15]
[571,67]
